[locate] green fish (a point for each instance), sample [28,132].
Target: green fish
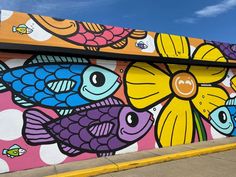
[14,151]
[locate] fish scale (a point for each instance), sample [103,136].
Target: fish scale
[60,83]
[107,129]
[37,77]
[82,136]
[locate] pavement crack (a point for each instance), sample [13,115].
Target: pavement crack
[113,163]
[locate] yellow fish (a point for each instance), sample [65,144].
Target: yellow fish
[22,29]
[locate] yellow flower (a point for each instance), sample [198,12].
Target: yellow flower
[187,88]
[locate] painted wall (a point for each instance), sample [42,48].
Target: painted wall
[58,109]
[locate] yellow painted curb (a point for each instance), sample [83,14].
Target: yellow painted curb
[144,162]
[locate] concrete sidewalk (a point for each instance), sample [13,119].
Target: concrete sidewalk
[222,162]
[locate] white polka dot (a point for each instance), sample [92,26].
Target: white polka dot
[11,123]
[38,33]
[6,14]
[131,148]
[155,111]
[3,166]
[192,49]
[215,134]
[110,64]
[51,155]
[149,42]
[15,62]
[228,77]
[232,95]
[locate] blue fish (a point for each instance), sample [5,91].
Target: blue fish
[60,83]
[223,118]
[141,45]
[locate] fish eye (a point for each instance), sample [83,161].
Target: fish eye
[222,117]
[132,119]
[97,79]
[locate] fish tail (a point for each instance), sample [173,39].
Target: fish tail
[4,151]
[14,29]
[33,130]
[3,67]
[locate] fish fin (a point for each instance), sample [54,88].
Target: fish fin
[138,34]
[111,101]
[69,151]
[92,48]
[101,129]
[94,28]
[231,102]
[40,59]
[14,29]
[33,130]
[4,151]
[63,112]
[3,67]
[59,86]
[23,26]
[105,154]
[120,45]
[15,146]
[20,101]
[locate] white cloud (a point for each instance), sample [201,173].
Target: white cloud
[209,11]
[217,9]
[52,8]
[186,20]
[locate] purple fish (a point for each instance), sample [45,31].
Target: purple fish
[100,130]
[228,49]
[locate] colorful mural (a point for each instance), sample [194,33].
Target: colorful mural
[50,34]
[63,108]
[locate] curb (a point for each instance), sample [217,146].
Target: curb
[144,162]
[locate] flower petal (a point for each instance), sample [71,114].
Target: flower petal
[175,125]
[208,52]
[173,46]
[146,84]
[176,67]
[209,98]
[211,74]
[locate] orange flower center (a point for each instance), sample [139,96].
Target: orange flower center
[184,85]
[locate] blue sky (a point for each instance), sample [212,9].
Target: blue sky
[207,19]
